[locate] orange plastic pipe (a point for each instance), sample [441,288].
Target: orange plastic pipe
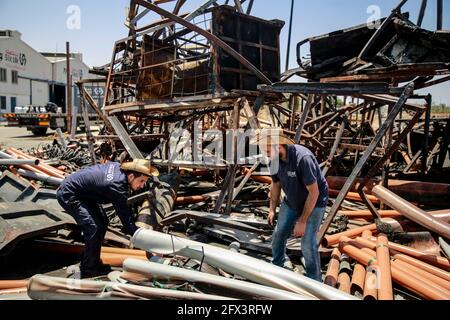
[344,282]
[416,284]
[77,249]
[330,240]
[431,259]
[43,166]
[358,278]
[116,260]
[430,290]
[385,291]
[445,285]
[353,196]
[366,234]
[367,215]
[424,266]
[370,288]
[12,284]
[14,290]
[331,277]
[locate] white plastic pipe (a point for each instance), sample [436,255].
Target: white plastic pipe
[250,268]
[40,176]
[7,159]
[159,271]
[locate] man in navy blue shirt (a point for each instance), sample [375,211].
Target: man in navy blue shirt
[82,193]
[306,194]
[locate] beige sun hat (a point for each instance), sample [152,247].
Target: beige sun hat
[142,166]
[272,136]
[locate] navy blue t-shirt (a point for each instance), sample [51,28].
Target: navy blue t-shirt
[101,184]
[298,171]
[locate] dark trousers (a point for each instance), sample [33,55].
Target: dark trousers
[93,222]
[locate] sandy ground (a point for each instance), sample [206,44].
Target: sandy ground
[21,138]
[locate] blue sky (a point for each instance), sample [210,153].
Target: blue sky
[43,23]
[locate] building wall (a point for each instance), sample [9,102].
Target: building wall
[36,73]
[17,55]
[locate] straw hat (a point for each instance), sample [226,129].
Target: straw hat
[142,166]
[272,136]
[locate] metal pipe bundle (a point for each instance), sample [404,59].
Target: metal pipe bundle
[250,268]
[163,272]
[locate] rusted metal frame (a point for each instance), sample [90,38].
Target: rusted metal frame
[444,145]
[201,9]
[439,19]
[249,7]
[337,140]
[433,82]
[211,219]
[408,90]
[413,161]
[108,79]
[294,107]
[238,6]
[217,41]
[236,115]
[244,180]
[423,7]
[127,142]
[94,106]
[388,154]
[274,115]
[336,88]
[426,141]
[174,62]
[380,29]
[253,121]
[298,133]
[87,125]
[385,172]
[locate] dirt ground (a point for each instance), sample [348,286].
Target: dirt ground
[21,138]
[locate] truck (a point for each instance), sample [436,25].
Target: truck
[38,119]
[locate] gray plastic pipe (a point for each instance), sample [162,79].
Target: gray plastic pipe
[40,176]
[163,272]
[7,159]
[250,268]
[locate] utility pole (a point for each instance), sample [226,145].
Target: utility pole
[68,90]
[289,36]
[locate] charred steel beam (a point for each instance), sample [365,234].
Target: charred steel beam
[423,7]
[129,144]
[439,14]
[208,36]
[298,133]
[380,30]
[212,219]
[338,88]
[362,161]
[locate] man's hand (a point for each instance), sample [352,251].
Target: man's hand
[271,217]
[299,229]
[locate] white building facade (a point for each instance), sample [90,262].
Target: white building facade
[28,77]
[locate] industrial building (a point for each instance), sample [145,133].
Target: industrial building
[29,77]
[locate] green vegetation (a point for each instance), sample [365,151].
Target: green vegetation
[440,108]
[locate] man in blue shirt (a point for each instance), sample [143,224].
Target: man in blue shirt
[306,195]
[82,193]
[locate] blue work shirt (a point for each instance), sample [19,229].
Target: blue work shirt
[101,184]
[298,171]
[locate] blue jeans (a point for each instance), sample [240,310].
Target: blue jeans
[287,219]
